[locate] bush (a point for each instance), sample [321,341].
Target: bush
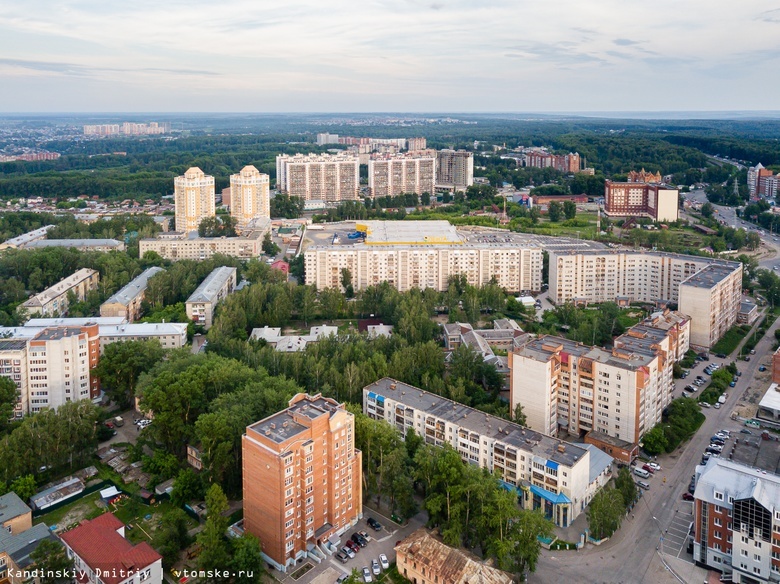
[683,417]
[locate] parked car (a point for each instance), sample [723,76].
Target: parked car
[762,368]
[364,535]
[374,524]
[704,404]
[684,374]
[383,561]
[752,351]
[745,431]
[687,497]
[746,357]
[654,465]
[348,551]
[648,468]
[721,355]
[716,406]
[375,568]
[367,575]
[342,557]
[359,539]
[353,546]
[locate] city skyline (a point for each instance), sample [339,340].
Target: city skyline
[441,56]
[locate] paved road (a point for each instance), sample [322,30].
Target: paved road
[631,555]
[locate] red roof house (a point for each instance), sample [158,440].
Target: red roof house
[101,552]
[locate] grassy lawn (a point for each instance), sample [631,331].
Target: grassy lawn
[728,343]
[84,506]
[627,320]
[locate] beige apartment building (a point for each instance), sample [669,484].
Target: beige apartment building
[249,197]
[390,175]
[319,177]
[546,473]
[178,246]
[565,385]
[213,290]
[54,300]
[712,299]
[454,169]
[419,254]
[302,478]
[194,199]
[170,335]
[625,276]
[126,303]
[13,365]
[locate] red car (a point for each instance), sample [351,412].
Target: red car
[353,546]
[687,497]
[648,468]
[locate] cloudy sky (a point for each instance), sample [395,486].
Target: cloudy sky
[388,55]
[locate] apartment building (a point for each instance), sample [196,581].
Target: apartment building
[639,199]
[419,254]
[15,515]
[26,238]
[213,290]
[762,182]
[180,246]
[712,298]
[423,557]
[54,300]
[13,365]
[390,175]
[736,527]
[171,335]
[624,276]
[558,477]
[18,538]
[249,197]
[126,303]
[101,553]
[319,177]
[101,245]
[541,158]
[302,478]
[194,198]
[454,169]
[622,392]
[59,363]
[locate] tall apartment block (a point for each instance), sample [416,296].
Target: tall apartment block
[302,478]
[249,197]
[13,365]
[194,198]
[390,175]
[422,254]
[54,300]
[762,182]
[639,199]
[454,169]
[645,276]
[565,385]
[413,144]
[558,477]
[736,521]
[213,290]
[712,298]
[127,301]
[540,158]
[319,177]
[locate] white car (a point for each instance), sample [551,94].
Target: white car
[367,575]
[375,568]
[654,465]
[383,561]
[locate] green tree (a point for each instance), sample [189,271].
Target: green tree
[519,415]
[332,303]
[25,486]
[605,512]
[172,536]
[122,364]
[49,557]
[520,549]
[625,484]
[269,247]
[215,555]
[8,399]
[248,562]
[707,210]
[569,209]
[187,487]
[654,441]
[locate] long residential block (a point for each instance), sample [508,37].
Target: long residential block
[213,290]
[302,478]
[54,300]
[174,245]
[706,289]
[126,302]
[558,477]
[319,177]
[390,175]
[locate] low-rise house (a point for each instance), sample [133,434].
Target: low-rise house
[101,554]
[292,343]
[15,515]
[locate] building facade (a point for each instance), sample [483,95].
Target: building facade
[194,198]
[249,197]
[171,335]
[319,177]
[178,246]
[558,477]
[13,364]
[454,169]
[26,238]
[622,392]
[541,158]
[213,290]
[639,199]
[126,303]
[712,298]
[390,175]
[302,478]
[54,300]
[736,527]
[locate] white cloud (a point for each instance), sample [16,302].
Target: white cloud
[401,54]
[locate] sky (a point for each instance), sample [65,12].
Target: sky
[388,55]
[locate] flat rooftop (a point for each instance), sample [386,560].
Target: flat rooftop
[659,254]
[755,452]
[476,421]
[629,357]
[282,426]
[11,345]
[76,321]
[409,232]
[20,240]
[55,334]
[710,276]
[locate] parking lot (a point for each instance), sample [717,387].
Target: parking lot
[676,535]
[382,542]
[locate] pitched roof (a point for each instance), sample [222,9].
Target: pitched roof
[11,506]
[100,545]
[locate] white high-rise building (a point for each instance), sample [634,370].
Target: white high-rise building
[390,175]
[319,177]
[454,169]
[249,196]
[195,199]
